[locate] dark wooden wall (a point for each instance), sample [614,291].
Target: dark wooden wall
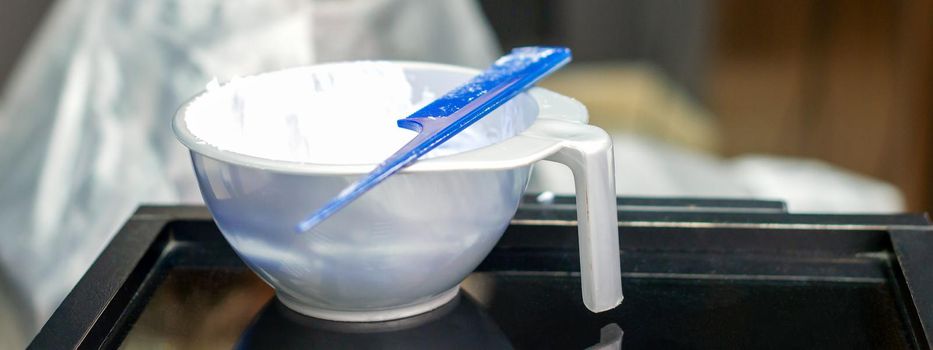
[845,81]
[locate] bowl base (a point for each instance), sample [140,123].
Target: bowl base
[371,316]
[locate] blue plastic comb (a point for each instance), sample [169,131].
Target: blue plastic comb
[447,116]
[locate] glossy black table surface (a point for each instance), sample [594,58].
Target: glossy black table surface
[697,273]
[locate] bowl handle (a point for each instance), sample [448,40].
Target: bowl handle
[587,151]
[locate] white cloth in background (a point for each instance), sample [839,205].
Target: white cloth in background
[648,167]
[85,131]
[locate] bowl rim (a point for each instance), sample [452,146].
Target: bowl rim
[496,156]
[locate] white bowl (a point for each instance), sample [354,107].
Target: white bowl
[403,248]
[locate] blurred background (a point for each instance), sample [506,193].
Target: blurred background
[845,82]
[827,105]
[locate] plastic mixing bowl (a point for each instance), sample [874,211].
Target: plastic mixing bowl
[403,248]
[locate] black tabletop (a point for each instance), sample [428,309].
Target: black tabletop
[696,274]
